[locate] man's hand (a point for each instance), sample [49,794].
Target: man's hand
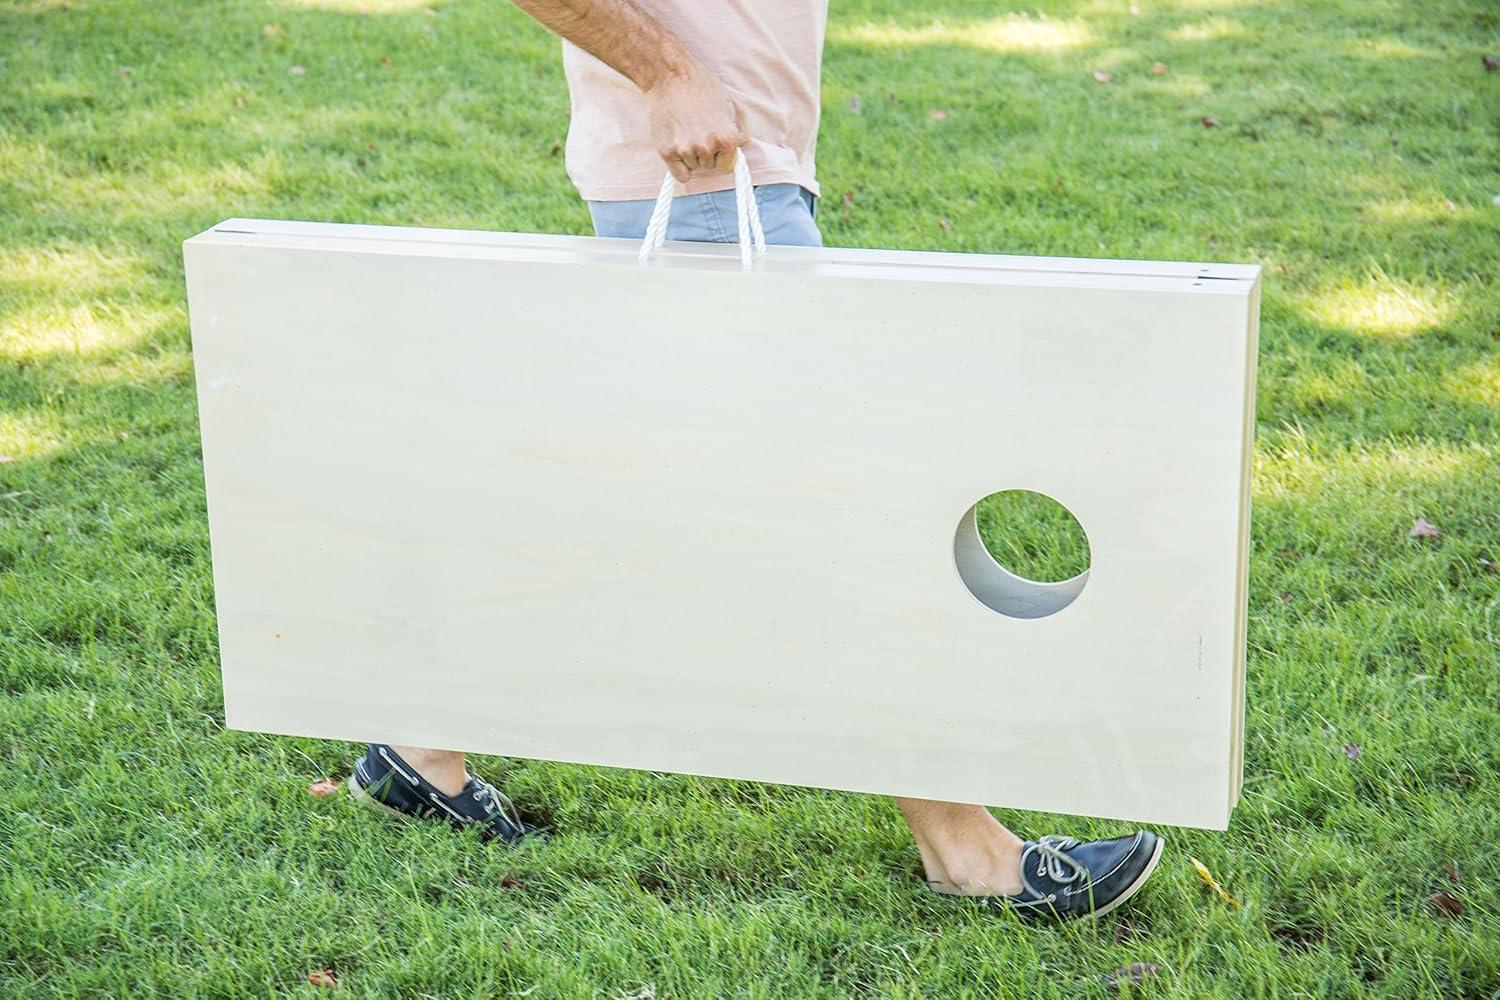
[696,126]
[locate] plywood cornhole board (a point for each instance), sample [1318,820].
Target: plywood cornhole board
[518,494]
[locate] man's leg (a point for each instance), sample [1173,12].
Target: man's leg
[966,852]
[964,849]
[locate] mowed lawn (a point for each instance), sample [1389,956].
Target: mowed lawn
[1349,148]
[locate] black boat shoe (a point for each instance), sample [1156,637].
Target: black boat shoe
[383,780]
[1064,879]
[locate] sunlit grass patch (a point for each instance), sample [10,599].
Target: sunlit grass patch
[63,271]
[1289,464]
[84,329]
[222,182]
[1191,85]
[1416,210]
[1387,48]
[1477,382]
[1215,29]
[362,6]
[1011,33]
[1380,306]
[27,436]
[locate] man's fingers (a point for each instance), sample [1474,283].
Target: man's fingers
[728,147]
[679,169]
[715,154]
[712,153]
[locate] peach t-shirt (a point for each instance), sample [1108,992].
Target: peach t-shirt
[767,53]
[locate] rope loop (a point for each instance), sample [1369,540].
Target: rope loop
[747,214]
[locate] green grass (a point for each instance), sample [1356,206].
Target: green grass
[146,850]
[1033,535]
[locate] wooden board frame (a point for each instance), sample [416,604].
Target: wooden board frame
[518,494]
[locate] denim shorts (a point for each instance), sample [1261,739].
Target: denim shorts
[786,214]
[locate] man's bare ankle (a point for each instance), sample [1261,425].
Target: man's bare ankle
[991,885]
[443,768]
[995,872]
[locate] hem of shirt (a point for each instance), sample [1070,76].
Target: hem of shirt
[703,185]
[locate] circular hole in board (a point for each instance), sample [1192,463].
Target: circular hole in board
[1022,554]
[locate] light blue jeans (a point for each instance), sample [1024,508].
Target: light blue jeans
[786,214]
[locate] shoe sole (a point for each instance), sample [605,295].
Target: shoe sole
[1134,887]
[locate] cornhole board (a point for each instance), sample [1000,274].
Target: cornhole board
[522,495]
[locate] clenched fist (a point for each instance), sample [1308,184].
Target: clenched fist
[696,126]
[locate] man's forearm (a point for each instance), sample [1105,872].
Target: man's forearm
[619,33]
[694,123]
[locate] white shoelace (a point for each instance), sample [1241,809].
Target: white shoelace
[1056,865]
[503,805]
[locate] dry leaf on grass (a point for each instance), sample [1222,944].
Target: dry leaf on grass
[1158,69]
[319,789]
[1101,77]
[298,71]
[937,114]
[1135,974]
[1213,883]
[323,977]
[1446,905]
[7,458]
[1423,528]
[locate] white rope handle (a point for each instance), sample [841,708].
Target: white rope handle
[752,237]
